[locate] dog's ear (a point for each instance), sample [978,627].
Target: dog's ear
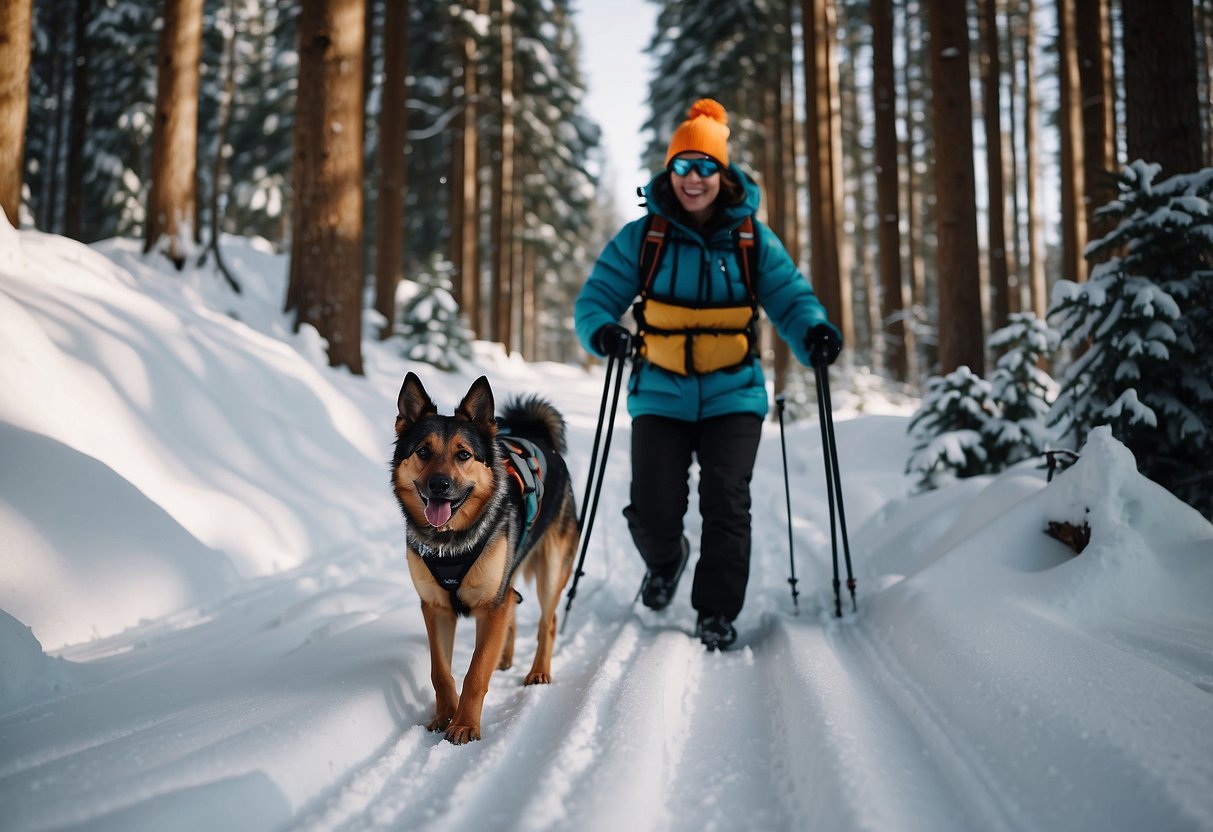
[477,407]
[412,404]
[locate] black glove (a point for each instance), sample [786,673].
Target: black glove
[823,344]
[612,339]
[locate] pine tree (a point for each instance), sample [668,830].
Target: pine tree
[958,413]
[1021,390]
[1141,324]
[430,327]
[967,425]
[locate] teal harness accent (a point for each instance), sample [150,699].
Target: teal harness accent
[525,462]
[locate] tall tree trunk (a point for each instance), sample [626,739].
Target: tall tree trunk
[326,247]
[16,33]
[1094,39]
[1162,117]
[892,337]
[853,178]
[73,212]
[960,317]
[786,180]
[228,73]
[172,211]
[1000,283]
[1011,169]
[777,203]
[464,180]
[911,39]
[503,185]
[1069,121]
[1204,71]
[1038,285]
[455,209]
[393,128]
[824,149]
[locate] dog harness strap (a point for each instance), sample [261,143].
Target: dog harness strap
[449,571]
[525,462]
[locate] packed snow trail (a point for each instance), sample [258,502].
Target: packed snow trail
[300,703]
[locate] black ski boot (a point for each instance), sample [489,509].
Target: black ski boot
[657,590]
[715,631]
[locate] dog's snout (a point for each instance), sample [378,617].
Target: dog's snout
[439,486]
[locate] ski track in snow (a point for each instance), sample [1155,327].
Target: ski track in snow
[834,718]
[834,727]
[824,705]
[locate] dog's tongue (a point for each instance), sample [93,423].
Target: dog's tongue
[438,512]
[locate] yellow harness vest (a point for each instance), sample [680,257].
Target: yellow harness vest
[687,339]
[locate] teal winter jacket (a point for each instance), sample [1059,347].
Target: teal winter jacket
[699,272]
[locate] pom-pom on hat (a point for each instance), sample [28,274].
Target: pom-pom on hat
[706,130]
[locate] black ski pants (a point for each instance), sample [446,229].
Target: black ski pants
[726,448]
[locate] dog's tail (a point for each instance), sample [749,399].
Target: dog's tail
[532,417]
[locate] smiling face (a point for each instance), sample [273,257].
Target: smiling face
[696,194]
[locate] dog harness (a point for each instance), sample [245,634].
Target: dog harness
[525,463]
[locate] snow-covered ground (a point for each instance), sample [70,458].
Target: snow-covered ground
[208,624]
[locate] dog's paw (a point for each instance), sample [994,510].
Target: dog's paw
[461,734]
[438,723]
[505,663]
[536,677]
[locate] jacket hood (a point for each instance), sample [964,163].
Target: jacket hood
[732,214]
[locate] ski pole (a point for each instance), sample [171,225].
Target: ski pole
[596,474]
[787,491]
[829,448]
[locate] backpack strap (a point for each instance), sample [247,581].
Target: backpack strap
[746,239]
[655,230]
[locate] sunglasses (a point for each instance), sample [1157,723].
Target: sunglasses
[703,167]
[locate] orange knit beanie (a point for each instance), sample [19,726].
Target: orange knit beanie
[706,130]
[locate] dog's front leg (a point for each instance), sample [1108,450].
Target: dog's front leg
[440,627]
[492,626]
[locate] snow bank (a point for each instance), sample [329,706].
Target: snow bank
[161,439]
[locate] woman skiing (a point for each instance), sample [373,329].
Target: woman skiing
[694,272]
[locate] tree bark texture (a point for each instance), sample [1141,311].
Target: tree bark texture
[996,240]
[393,129]
[1069,121]
[891,339]
[172,210]
[960,315]
[1094,39]
[326,247]
[502,233]
[824,150]
[1038,284]
[1162,117]
[73,212]
[16,33]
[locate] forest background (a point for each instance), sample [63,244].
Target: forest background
[935,166]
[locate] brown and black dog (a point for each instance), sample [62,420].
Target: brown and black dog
[482,497]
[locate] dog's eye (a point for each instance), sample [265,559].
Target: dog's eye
[423,452]
[463,456]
